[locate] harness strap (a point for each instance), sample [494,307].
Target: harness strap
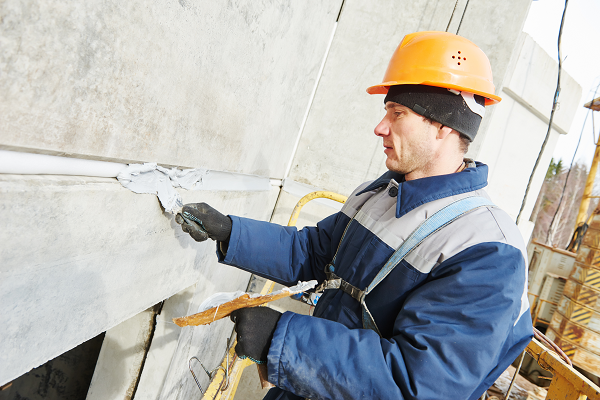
[431,225]
[335,282]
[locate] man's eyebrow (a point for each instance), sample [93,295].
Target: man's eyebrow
[390,104]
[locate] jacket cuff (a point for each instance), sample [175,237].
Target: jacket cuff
[234,239]
[276,348]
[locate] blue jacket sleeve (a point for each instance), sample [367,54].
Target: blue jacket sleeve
[280,253]
[454,334]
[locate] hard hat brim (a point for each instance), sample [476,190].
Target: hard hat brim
[382,88]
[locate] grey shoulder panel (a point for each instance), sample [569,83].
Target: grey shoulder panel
[355,202]
[490,224]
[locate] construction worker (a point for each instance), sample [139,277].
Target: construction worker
[424,278]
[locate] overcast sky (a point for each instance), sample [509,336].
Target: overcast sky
[581,48]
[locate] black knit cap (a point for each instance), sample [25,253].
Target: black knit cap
[439,104]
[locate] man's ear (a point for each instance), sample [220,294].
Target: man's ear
[443,132]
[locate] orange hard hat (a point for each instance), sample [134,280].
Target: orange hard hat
[439,59]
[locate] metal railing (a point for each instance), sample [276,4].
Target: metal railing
[535,312]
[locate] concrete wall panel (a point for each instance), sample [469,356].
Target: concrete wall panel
[222,85]
[495,27]
[518,126]
[164,344]
[80,255]
[207,343]
[338,149]
[533,80]
[510,151]
[122,357]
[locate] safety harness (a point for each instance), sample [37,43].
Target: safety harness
[434,223]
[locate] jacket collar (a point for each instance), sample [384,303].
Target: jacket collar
[412,194]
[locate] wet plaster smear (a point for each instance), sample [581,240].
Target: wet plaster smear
[151,178]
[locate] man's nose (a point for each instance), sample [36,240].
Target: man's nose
[383,128]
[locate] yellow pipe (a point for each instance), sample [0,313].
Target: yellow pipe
[311,196]
[589,186]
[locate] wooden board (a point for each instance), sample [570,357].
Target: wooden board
[244,301]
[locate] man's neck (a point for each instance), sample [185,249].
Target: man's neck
[445,167]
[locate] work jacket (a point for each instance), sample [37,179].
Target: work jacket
[452,315]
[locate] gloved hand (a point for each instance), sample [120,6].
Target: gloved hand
[202,221]
[255,327]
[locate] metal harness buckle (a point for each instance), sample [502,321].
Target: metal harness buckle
[335,282]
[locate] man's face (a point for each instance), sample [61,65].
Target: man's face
[408,138]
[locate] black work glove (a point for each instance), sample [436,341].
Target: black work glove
[255,327]
[202,221]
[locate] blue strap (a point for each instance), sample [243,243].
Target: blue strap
[434,223]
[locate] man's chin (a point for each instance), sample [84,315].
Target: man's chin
[394,167]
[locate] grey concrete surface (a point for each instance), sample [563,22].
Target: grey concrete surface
[338,149]
[533,79]
[220,85]
[122,357]
[80,255]
[164,344]
[495,27]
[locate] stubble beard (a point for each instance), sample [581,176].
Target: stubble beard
[417,156]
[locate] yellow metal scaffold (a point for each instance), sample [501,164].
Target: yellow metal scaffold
[589,184]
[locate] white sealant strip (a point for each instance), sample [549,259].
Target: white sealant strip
[310,102]
[301,189]
[139,178]
[229,181]
[15,162]
[154,179]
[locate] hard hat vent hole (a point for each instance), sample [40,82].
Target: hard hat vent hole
[459,57]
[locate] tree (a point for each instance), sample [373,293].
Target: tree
[555,168]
